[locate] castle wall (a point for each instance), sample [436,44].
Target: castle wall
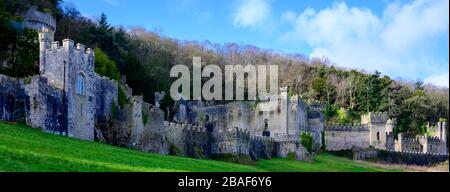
[46,106]
[262,147]
[234,141]
[137,124]
[106,94]
[439,131]
[12,99]
[412,145]
[316,127]
[240,114]
[81,106]
[192,141]
[346,137]
[154,138]
[412,157]
[377,123]
[436,145]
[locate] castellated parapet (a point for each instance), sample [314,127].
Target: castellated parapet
[62,61]
[420,144]
[37,20]
[374,117]
[341,137]
[347,127]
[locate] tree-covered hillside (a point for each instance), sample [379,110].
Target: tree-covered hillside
[146,57]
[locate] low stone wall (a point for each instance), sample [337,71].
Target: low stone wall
[359,154]
[262,147]
[187,140]
[411,158]
[233,141]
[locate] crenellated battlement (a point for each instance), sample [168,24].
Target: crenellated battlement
[347,127]
[261,138]
[37,20]
[374,117]
[69,46]
[172,126]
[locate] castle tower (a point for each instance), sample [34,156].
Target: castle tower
[379,128]
[69,68]
[45,25]
[390,124]
[284,106]
[440,130]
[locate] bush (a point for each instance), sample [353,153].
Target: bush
[144,117]
[306,141]
[174,150]
[114,109]
[329,111]
[122,97]
[105,66]
[198,152]
[291,156]
[235,158]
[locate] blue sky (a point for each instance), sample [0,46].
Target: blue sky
[403,39]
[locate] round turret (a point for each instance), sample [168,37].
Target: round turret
[39,21]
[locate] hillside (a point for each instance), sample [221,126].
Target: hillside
[26,149]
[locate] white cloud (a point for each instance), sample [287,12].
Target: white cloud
[409,25]
[401,42]
[251,13]
[289,16]
[439,80]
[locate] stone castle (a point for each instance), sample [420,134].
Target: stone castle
[69,98]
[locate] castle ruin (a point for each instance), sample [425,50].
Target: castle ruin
[69,98]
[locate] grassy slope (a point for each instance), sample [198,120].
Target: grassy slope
[26,149]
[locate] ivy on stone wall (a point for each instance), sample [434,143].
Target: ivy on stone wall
[122,97]
[307,141]
[144,117]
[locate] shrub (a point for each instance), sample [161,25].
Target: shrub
[122,97]
[114,109]
[198,152]
[291,156]
[174,150]
[306,141]
[105,66]
[144,117]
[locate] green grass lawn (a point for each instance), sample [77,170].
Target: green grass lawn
[26,149]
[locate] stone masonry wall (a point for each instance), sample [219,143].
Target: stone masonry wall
[12,99]
[46,106]
[262,147]
[346,137]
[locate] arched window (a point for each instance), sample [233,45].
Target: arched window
[378,136]
[80,84]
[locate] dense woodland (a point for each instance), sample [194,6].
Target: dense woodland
[146,57]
